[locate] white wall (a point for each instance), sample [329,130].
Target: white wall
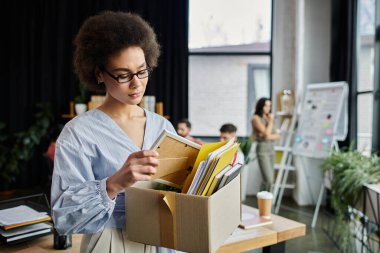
[317,41]
[219,85]
[284,69]
[301,55]
[284,46]
[316,63]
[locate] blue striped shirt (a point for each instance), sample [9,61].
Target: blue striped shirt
[91,148]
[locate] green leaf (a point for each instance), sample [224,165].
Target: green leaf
[22,145]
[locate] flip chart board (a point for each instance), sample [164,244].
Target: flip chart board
[323,119]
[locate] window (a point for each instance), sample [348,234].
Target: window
[229,64]
[365,86]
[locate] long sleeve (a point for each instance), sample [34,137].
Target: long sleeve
[91,148]
[80,203]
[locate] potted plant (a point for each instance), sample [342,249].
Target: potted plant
[16,150]
[245,147]
[350,170]
[80,100]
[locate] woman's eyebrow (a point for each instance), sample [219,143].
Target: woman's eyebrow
[128,70]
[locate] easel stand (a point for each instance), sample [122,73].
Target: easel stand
[335,147]
[322,190]
[323,121]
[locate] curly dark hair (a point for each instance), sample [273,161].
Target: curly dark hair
[107,33]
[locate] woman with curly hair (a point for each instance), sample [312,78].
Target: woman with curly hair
[105,150]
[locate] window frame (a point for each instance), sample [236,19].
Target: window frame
[268,54]
[375,141]
[376,85]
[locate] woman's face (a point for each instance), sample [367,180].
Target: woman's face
[128,61]
[267,106]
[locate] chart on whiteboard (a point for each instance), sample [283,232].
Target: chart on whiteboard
[321,112]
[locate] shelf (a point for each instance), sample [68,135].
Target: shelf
[288,186]
[68,116]
[285,114]
[281,148]
[277,166]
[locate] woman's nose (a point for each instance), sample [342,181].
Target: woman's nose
[134,83]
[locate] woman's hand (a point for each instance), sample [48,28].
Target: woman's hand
[270,117]
[139,166]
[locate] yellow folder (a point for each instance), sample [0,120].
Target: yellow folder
[217,179]
[202,155]
[224,159]
[210,167]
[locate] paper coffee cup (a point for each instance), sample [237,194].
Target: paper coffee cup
[264,201]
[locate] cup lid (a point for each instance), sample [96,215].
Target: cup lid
[265,195]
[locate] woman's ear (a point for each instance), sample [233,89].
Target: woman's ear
[99,75]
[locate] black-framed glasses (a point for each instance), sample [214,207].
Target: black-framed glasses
[125,78]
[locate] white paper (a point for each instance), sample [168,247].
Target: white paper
[24,229]
[28,235]
[20,214]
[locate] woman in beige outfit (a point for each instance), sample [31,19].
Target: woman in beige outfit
[264,133]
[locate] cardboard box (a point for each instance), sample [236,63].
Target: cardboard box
[188,223]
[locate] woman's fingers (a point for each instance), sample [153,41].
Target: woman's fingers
[144,153]
[147,170]
[145,158]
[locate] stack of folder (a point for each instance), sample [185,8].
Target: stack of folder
[194,169]
[22,223]
[214,168]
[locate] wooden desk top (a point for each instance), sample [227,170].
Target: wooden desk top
[280,230]
[41,245]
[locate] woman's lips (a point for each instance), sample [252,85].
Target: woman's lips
[135,95]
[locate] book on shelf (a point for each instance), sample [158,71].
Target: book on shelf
[96,101]
[21,215]
[23,233]
[251,219]
[149,103]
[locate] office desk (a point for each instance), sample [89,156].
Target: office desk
[271,238]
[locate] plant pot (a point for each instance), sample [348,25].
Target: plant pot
[80,108]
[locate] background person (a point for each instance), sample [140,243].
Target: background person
[50,151]
[184,129]
[227,132]
[264,134]
[105,150]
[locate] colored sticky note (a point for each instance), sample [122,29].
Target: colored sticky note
[329,132]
